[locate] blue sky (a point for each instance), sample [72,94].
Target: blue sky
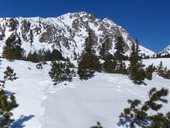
[146,20]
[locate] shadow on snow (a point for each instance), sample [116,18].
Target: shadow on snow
[20,122]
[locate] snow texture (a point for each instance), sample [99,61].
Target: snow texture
[76,104]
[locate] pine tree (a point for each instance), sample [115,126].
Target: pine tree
[12,48]
[160,69]
[119,55]
[7,104]
[56,55]
[88,61]
[137,113]
[9,74]
[7,101]
[87,65]
[89,42]
[119,46]
[109,66]
[61,72]
[149,71]
[33,57]
[163,71]
[136,71]
[105,47]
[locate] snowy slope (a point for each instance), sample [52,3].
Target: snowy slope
[67,33]
[30,90]
[166,51]
[78,104]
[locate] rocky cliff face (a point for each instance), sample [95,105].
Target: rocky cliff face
[66,33]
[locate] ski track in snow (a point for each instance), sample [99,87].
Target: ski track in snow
[79,104]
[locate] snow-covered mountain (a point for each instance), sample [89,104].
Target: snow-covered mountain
[67,33]
[165,52]
[79,103]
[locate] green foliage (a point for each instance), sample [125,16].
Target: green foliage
[12,49]
[9,74]
[166,74]
[112,65]
[139,113]
[33,57]
[109,66]
[119,56]
[90,42]
[105,47]
[149,71]
[61,72]
[136,71]
[43,55]
[87,65]
[7,101]
[54,55]
[121,68]
[88,61]
[7,104]
[163,71]
[119,46]
[160,69]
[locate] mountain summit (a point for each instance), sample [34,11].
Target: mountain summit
[165,51]
[66,33]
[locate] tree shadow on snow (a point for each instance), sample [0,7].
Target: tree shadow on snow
[20,122]
[128,122]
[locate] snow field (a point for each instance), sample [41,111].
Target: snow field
[76,104]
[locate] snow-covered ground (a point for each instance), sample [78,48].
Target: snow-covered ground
[79,104]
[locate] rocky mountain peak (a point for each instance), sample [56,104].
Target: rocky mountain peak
[165,51]
[66,33]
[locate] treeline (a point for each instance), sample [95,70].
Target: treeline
[89,61]
[12,50]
